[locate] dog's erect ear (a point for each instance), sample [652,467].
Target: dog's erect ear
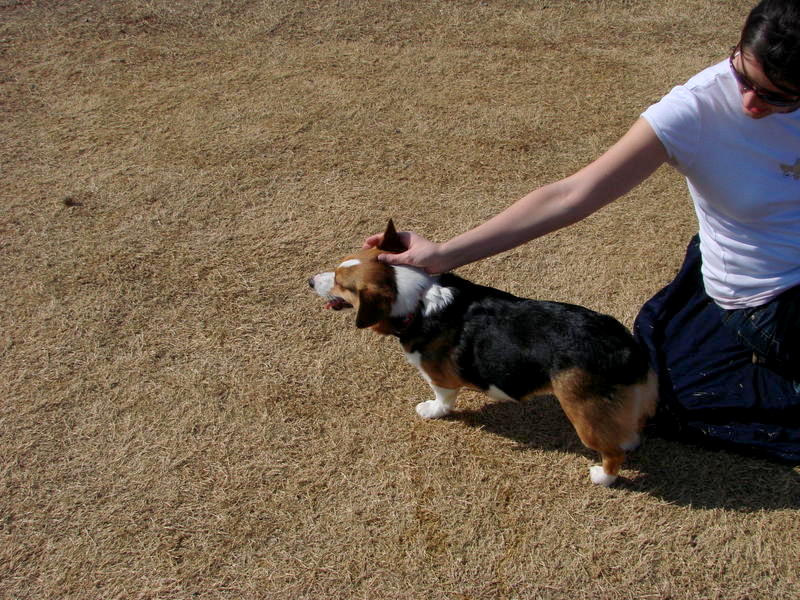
[391,241]
[373,306]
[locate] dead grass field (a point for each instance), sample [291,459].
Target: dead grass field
[179,418]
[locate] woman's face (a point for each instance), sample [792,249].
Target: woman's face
[757,89]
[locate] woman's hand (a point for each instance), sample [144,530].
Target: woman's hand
[419,252]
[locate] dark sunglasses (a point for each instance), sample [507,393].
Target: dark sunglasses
[772,98]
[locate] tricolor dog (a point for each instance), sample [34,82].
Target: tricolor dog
[459,334]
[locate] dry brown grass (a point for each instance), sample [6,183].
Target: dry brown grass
[178,416]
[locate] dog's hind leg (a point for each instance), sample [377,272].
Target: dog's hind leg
[597,421]
[440,406]
[637,403]
[621,426]
[602,436]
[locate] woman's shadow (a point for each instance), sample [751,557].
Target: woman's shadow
[678,472]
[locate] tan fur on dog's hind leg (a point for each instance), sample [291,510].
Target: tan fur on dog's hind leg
[638,403]
[606,425]
[635,405]
[647,397]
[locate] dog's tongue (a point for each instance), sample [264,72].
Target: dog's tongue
[336,304]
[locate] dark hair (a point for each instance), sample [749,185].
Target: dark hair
[772,34]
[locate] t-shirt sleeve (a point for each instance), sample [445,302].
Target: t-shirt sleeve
[676,121]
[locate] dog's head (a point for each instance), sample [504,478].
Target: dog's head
[362,282]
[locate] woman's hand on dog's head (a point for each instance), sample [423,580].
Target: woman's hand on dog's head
[420,252]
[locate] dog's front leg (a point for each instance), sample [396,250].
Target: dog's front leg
[440,406]
[445,398]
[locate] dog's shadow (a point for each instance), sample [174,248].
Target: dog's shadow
[677,472]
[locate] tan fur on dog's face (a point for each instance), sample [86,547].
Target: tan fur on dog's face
[362,282]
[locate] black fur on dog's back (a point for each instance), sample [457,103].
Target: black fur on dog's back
[519,345]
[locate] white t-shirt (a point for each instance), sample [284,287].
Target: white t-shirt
[744,178]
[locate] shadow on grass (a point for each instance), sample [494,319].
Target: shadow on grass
[679,473]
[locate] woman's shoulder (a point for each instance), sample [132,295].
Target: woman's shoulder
[681,116]
[709,90]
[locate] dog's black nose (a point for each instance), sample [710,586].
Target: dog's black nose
[311,282]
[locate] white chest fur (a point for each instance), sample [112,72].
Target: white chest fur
[415,285]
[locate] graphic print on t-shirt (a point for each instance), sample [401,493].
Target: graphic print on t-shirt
[792,171]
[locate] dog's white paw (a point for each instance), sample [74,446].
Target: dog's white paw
[432,409]
[599,476]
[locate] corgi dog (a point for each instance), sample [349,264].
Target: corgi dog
[460,334]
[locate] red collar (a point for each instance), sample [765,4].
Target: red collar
[401,324]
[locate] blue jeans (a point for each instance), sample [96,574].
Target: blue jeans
[710,390]
[771,331]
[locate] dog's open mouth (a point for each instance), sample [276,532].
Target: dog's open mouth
[336,303]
